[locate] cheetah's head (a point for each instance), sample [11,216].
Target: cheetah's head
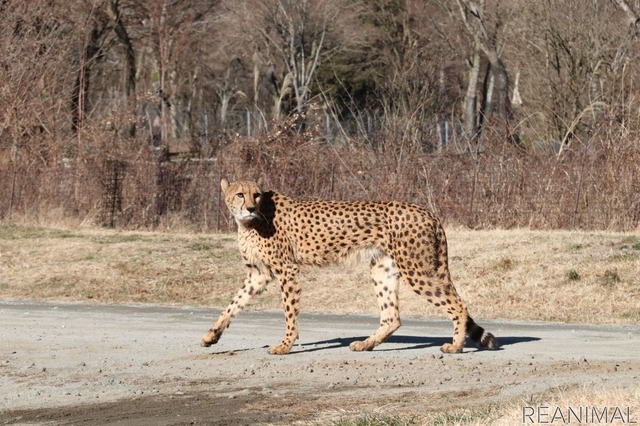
[243,199]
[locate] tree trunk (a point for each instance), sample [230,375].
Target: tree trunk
[130,69]
[500,104]
[81,87]
[470,98]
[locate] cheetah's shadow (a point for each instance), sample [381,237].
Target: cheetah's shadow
[408,342]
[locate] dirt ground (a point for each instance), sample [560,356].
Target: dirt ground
[68,363]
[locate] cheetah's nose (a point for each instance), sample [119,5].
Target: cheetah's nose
[251,209]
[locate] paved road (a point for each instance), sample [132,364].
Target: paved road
[67,362]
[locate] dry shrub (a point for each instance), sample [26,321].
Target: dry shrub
[497,184]
[592,187]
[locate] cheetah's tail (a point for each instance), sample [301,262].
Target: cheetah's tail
[483,338]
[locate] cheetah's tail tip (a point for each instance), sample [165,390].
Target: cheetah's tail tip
[483,338]
[488,341]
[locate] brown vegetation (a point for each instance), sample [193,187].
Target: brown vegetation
[499,187]
[126,113]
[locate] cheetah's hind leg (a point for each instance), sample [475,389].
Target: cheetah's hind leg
[385,277]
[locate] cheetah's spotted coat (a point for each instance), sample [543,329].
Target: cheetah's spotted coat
[277,234]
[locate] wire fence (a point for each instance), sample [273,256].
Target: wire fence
[366,126]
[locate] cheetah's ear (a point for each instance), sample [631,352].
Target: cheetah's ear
[260,183]
[224,184]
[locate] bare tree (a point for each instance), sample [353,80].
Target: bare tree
[295,37]
[632,16]
[571,74]
[113,10]
[37,42]
[173,30]
[95,27]
[411,66]
[496,90]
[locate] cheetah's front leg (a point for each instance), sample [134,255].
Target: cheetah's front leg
[290,298]
[254,284]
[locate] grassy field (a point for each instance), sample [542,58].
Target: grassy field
[589,277]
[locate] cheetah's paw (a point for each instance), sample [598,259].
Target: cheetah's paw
[360,346]
[448,348]
[279,349]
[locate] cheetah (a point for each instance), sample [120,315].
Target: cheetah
[405,242]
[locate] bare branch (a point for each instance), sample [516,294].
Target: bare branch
[632,16]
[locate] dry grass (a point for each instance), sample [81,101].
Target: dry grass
[109,266]
[589,395]
[480,411]
[511,412]
[528,274]
[591,277]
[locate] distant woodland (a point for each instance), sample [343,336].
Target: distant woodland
[126,113]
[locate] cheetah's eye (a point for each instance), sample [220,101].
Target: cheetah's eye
[256,196]
[240,195]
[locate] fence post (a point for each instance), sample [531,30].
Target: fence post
[112,192]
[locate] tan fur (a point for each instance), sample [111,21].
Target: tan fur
[277,234]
